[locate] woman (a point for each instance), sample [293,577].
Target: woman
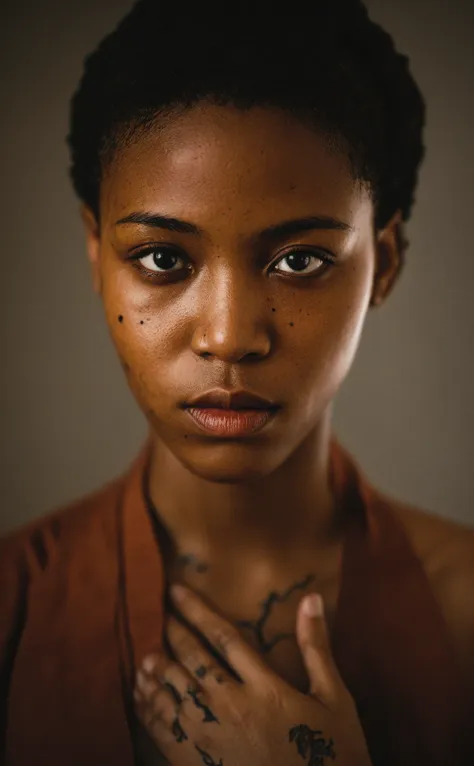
[245,176]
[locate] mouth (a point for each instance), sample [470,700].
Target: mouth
[231,413]
[220,398]
[230,423]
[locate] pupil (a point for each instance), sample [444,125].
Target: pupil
[298,261]
[164,259]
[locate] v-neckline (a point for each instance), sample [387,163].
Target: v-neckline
[387,624]
[144,609]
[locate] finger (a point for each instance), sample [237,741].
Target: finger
[192,655]
[158,711]
[313,640]
[222,635]
[170,740]
[191,701]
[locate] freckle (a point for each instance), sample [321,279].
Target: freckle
[120,318]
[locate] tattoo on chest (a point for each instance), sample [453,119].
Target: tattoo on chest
[310,744]
[207,759]
[258,626]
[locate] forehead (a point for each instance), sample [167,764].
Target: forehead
[215,163]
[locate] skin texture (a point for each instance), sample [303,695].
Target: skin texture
[258,719]
[234,321]
[234,313]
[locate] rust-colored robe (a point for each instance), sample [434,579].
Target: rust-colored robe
[81,603]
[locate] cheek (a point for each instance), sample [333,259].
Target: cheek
[325,351]
[128,312]
[131,321]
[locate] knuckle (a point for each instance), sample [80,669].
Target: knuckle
[161,704]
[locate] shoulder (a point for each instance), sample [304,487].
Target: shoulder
[437,540]
[34,546]
[446,550]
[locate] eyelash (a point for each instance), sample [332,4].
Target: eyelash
[160,276]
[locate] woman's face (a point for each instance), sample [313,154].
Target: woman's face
[223,302]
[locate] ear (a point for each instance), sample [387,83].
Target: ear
[390,245]
[92,230]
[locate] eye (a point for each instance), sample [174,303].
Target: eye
[158,260]
[305,262]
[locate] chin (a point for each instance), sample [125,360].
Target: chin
[231,462]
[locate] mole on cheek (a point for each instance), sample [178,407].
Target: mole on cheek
[120,318]
[291,324]
[142,322]
[273,309]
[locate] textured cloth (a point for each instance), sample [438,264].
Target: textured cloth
[82,602]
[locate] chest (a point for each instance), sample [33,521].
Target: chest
[266,618]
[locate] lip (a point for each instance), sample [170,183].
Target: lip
[231,423]
[220,398]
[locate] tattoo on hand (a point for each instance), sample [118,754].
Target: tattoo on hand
[208,714]
[178,731]
[207,759]
[201,671]
[175,693]
[310,743]
[258,626]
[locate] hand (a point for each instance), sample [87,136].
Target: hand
[197,712]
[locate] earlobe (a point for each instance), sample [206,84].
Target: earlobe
[391,246]
[93,245]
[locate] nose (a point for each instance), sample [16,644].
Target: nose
[233,325]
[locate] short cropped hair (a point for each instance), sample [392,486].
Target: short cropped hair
[324,61]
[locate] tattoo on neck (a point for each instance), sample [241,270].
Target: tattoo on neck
[178,731]
[208,714]
[207,759]
[258,626]
[310,744]
[192,561]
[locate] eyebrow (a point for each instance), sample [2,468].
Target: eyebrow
[277,231]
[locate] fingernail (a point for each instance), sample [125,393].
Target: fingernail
[144,684]
[179,593]
[313,605]
[148,664]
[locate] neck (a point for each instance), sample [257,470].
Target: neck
[291,509]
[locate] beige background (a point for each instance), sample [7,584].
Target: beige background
[70,424]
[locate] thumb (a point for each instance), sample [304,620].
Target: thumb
[313,640]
